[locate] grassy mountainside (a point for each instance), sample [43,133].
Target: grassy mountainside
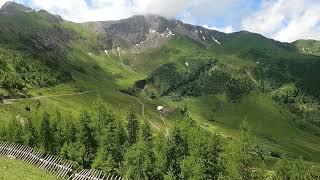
[308,46]
[53,64]
[222,89]
[34,52]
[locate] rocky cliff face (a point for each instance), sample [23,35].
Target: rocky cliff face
[139,33]
[12,7]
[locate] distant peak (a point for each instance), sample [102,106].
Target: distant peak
[11,7]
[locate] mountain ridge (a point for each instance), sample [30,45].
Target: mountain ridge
[133,33]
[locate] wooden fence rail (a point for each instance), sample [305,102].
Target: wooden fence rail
[55,165]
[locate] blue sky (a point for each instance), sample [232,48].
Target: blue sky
[284,20]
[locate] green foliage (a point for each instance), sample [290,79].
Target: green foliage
[308,46]
[146,134]
[21,70]
[86,139]
[192,168]
[74,151]
[14,131]
[30,134]
[241,160]
[104,161]
[133,128]
[137,163]
[46,134]
[299,103]
[294,169]
[238,86]
[203,76]
[99,140]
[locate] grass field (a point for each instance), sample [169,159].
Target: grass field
[12,169]
[273,125]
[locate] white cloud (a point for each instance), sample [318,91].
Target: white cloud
[2,2]
[99,10]
[286,20]
[227,29]
[280,19]
[168,8]
[80,11]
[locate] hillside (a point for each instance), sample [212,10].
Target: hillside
[56,70]
[308,46]
[16,169]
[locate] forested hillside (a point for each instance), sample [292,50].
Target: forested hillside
[101,139]
[151,98]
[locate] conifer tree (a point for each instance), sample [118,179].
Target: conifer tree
[240,162]
[30,134]
[14,131]
[146,134]
[137,164]
[86,138]
[46,134]
[133,128]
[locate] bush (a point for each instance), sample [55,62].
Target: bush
[237,87]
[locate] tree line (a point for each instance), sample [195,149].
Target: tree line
[100,139]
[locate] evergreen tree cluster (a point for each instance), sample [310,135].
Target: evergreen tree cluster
[99,139]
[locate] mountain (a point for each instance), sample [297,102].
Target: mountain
[143,62]
[11,7]
[308,46]
[142,32]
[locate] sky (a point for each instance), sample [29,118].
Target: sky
[283,20]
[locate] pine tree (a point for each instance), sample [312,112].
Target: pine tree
[287,168]
[146,134]
[14,131]
[193,168]
[133,128]
[69,131]
[104,161]
[57,127]
[102,116]
[86,138]
[178,150]
[240,162]
[46,134]
[161,150]
[137,164]
[30,134]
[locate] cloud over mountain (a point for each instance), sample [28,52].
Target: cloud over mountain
[279,19]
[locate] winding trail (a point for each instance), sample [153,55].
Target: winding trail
[10,101]
[142,111]
[251,77]
[165,123]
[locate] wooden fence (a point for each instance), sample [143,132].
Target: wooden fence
[55,165]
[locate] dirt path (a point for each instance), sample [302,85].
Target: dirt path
[142,111]
[164,122]
[10,101]
[251,77]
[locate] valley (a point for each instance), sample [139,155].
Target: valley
[216,80]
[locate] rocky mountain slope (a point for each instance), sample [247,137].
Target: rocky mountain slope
[142,32]
[308,46]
